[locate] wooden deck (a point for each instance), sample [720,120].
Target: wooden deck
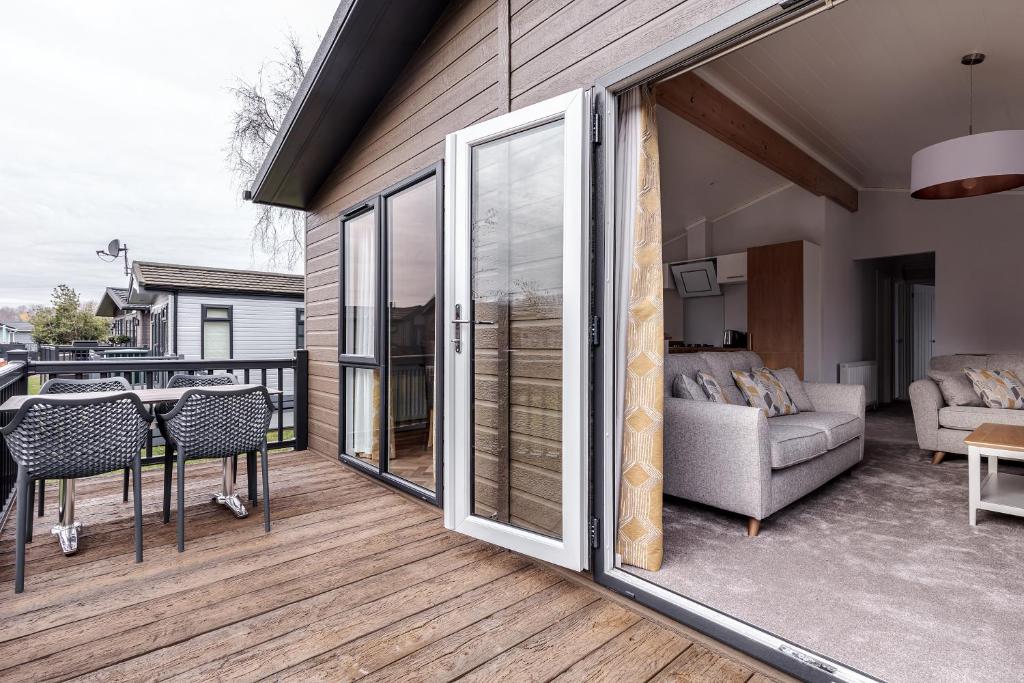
[354,582]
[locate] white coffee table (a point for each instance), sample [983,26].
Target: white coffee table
[999,491]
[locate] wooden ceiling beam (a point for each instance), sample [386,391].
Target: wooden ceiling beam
[691,98]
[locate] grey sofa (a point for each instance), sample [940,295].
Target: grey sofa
[734,458]
[942,428]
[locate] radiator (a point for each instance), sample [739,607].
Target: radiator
[861,372]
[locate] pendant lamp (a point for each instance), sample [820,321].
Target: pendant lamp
[971,165]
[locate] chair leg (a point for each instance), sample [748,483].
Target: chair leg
[234,469]
[266,488]
[22,521]
[181,502]
[937,457]
[42,496]
[137,495]
[250,474]
[168,473]
[29,520]
[127,471]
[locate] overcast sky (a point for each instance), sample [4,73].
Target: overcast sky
[113,120]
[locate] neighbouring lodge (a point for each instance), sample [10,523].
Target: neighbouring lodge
[709,298]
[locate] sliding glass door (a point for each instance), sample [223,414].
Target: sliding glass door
[411,221]
[389,413]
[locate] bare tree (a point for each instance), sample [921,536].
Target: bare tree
[260,107]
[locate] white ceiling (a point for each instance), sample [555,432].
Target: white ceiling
[865,85]
[704,178]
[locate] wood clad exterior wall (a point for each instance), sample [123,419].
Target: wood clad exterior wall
[482,58]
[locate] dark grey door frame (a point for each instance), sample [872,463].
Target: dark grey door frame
[380,360]
[704,43]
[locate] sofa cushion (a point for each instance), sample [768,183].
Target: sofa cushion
[722,363]
[838,427]
[688,364]
[969,418]
[998,388]
[712,389]
[763,390]
[1014,362]
[956,388]
[794,444]
[957,362]
[795,388]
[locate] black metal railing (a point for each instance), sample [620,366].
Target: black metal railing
[289,375]
[13,382]
[91,351]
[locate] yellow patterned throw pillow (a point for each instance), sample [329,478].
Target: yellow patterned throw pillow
[998,388]
[711,387]
[763,390]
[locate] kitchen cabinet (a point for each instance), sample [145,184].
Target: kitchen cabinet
[732,268]
[784,306]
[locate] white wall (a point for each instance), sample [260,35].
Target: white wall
[786,216]
[979,246]
[848,301]
[847,304]
[674,250]
[262,327]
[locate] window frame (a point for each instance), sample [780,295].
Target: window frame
[380,360]
[300,319]
[230,320]
[352,359]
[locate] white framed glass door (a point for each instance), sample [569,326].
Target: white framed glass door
[517,286]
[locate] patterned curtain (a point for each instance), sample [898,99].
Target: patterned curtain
[640,533]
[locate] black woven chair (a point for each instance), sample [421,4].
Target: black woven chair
[185,380]
[54,437]
[207,423]
[59,385]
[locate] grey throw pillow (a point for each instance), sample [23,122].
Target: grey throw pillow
[679,389]
[712,389]
[686,387]
[956,388]
[795,388]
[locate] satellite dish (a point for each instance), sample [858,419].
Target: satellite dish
[114,247]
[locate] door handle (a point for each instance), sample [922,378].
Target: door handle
[457,323]
[473,322]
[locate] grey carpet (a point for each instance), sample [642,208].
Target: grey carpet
[878,569]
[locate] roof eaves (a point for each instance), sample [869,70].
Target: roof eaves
[365,49]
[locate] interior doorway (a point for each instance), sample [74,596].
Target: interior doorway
[904,321]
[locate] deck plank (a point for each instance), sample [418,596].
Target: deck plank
[636,654]
[698,663]
[543,656]
[354,582]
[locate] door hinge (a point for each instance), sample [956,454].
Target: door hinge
[595,330]
[595,532]
[595,127]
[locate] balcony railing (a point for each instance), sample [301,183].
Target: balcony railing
[289,375]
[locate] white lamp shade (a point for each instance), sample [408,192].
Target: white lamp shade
[969,166]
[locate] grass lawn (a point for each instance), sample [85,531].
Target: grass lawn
[34,382]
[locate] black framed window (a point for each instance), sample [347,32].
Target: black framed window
[158,332]
[390,360]
[300,328]
[217,341]
[360,286]
[359,335]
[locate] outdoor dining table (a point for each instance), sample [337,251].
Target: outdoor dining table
[67,527]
